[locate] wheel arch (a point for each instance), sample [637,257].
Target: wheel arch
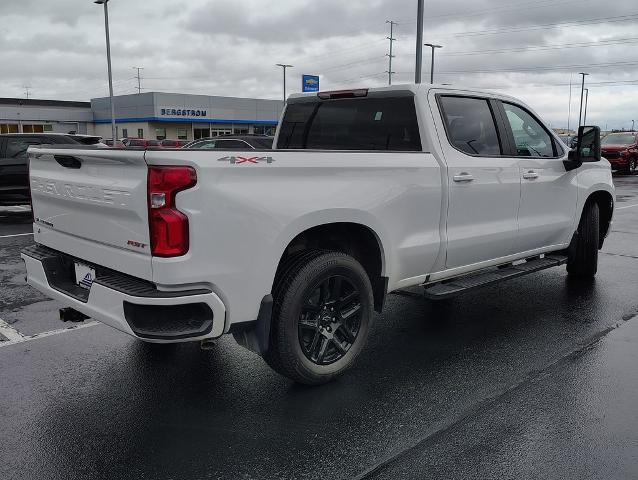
[352,238]
[605,201]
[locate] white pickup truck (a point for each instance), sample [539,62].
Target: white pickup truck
[293,249]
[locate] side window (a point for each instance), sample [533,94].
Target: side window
[17,147]
[530,137]
[470,125]
[231,145]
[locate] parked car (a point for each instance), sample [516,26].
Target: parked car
[14,170]
[142,143]
[621,150]
[88,139]
[233,142]
[118,143]
[173,143]
[292,250]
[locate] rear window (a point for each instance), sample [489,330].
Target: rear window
[352,124]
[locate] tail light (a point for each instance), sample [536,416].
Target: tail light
[168,226]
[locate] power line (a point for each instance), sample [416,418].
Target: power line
[497,31]
[533,69]
[601,43]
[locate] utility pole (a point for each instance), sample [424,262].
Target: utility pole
[632,126]
[569,107]
[139,79]
[582,94]
[419,41]
[26,91]
[433,47]
[284,67]
[390,55]
[108,61]
[586,102]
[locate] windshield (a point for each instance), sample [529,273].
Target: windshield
[619,139]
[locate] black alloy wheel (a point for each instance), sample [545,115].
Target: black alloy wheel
[330,320]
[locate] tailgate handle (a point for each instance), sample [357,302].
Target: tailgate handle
[68,162]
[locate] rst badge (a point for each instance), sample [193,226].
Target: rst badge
[246,160]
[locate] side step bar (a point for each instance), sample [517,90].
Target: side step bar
[455,286]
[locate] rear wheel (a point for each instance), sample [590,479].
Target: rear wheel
[321,316]
[583,252]
[632,167]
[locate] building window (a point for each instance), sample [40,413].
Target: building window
[140,133]
[241,130]
[264,130]
[160,133]
[48,128]
[9,128]
[32,128]
[125,133]
[182,134]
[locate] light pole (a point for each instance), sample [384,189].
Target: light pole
[419,41]
[582,93]
[284,67]
[433,47]
[108,61]
[586,102]
[632,126]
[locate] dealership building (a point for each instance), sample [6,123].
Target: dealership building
[148,115]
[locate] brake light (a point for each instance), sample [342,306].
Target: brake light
[167,225]
[360,92]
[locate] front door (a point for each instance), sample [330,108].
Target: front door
[484,184]
[548,194]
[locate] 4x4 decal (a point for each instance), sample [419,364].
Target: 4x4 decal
[240,160]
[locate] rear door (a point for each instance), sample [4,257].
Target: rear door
[548,195]
[484,183]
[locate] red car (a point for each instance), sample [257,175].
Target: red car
[174,143]
[621,149]
[142,143]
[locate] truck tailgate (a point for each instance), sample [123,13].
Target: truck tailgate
[91,203]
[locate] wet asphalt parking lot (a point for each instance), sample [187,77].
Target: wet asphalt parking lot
[533,378]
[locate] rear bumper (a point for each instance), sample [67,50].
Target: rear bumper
[128,304]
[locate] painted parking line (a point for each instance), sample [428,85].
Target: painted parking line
[16,235]
[628,206]
[14,337]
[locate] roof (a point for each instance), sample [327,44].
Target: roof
[33,102]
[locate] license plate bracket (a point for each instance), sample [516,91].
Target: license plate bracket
[84,275]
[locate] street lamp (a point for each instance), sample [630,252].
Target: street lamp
[108,61]
[586,102]
[433,47]
[284,67]
[419,41]
[582,93]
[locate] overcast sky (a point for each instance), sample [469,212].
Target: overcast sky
[529,49]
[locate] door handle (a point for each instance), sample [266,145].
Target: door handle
[463,178]
[531,175]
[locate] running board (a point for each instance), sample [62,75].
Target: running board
[455,286]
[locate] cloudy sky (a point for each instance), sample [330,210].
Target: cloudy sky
[527,48]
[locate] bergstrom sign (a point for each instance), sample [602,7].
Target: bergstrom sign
[182,112]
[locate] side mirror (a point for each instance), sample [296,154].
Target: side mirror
[587,148]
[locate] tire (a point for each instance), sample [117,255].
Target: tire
[632,167]
[583,252]
[323,307]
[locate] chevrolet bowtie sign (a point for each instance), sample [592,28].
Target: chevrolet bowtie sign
[182,112]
